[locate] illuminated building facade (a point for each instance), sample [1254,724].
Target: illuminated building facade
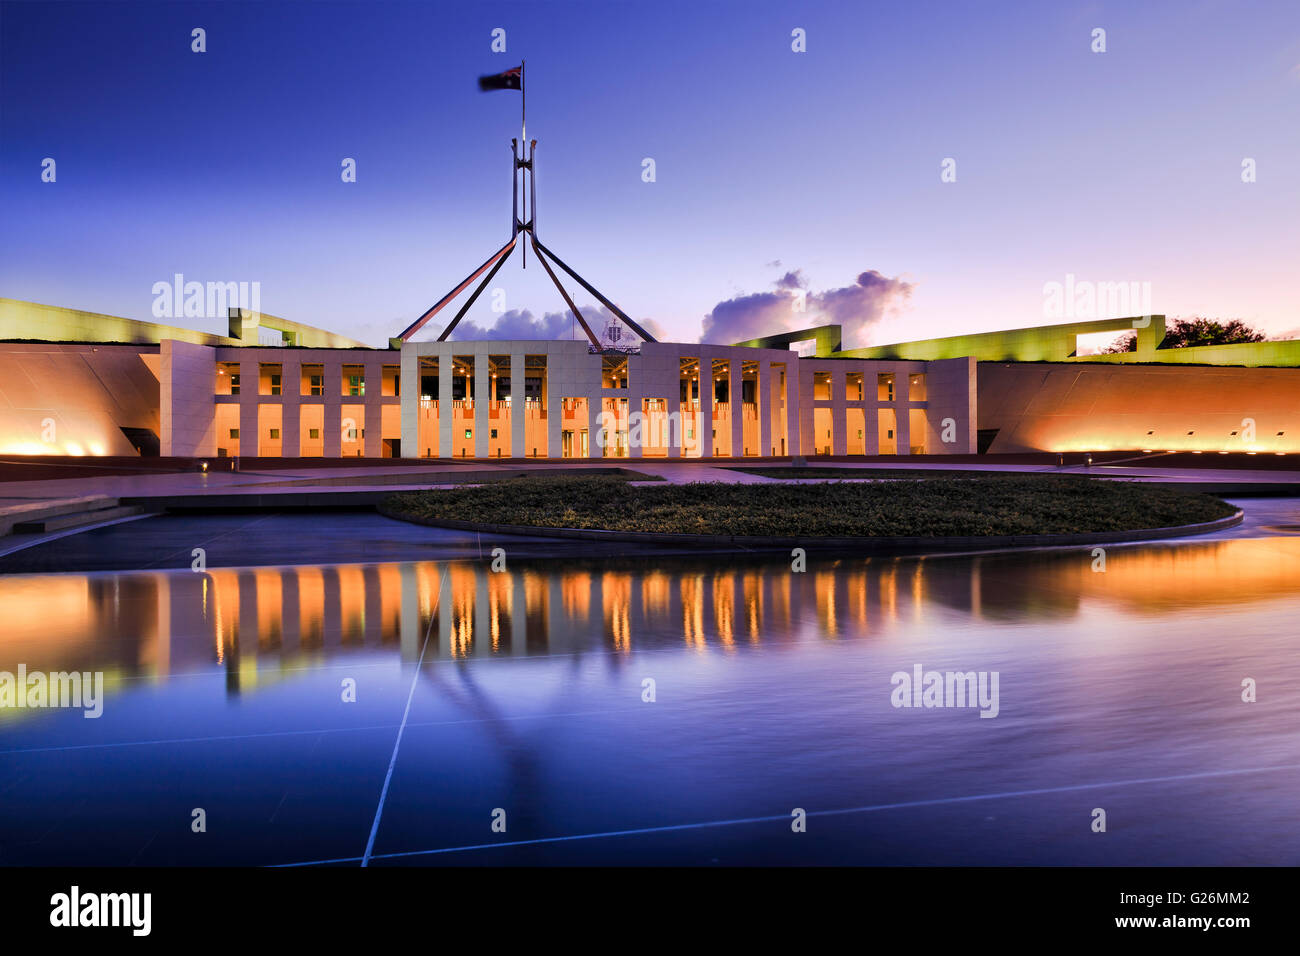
[79,383]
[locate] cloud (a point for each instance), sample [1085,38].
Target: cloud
[522,324]
[515,324]
[856,307]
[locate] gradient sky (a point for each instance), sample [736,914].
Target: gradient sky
[225,165]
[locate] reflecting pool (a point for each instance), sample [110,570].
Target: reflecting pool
[668,710]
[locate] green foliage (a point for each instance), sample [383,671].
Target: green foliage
[806,472]
[935,507]
[1188,333]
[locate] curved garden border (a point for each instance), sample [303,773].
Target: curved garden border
[865,545]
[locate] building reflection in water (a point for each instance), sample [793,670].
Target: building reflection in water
[260,624]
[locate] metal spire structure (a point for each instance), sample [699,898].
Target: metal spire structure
[523,219]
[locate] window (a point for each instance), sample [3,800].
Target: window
[275,433]
[613,371]
[313,433]
[885,387]
[311,380]
[227,378]
[469,433]
[821,386]
[853,387]
[275,386]
[356,385]
[494,433]
[234,433]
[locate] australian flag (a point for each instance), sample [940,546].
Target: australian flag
[509,80]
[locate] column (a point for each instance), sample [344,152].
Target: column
[764,395]
[735,375]
[518,407]
[870,414]
[332,415]
[553,399]
[903,430]
[250,388]
[290,398]
[446,415]
[410,390]
[706,405]
[839,410]
[482,395]
[595,405]
[635,392]
[373,443]
[803,387]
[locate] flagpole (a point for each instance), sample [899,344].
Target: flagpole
[523,142]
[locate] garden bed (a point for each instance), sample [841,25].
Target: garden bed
[1002,506]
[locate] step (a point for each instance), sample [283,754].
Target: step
[76,520]
[33,511]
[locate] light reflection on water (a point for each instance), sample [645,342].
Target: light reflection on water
[773,692]
[151,624]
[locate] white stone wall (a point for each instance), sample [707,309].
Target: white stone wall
[187,382]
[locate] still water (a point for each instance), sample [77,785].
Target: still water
[522,696]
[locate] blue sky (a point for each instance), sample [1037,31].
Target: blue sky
[1118,166]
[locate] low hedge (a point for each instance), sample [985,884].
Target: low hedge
[935,507]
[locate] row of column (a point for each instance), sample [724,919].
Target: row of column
[640,387]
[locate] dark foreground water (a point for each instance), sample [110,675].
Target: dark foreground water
[482,695]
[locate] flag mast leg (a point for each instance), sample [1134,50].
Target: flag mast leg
[523,146]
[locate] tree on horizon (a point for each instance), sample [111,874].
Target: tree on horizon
[1189,333]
